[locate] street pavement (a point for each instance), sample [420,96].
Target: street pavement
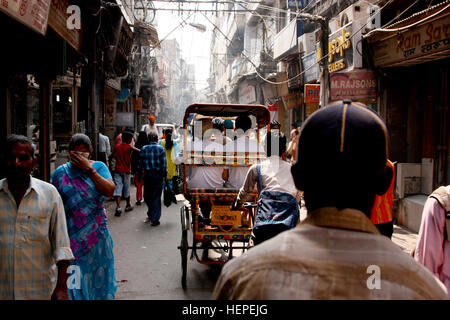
[148,263]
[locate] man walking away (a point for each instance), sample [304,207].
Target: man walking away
[336,252]
[152,165]
[104,148]
[34,242]
[122,174]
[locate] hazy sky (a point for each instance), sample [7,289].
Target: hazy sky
[194,44]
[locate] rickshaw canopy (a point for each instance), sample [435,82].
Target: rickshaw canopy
[260,112]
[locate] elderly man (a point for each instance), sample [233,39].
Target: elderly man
[150,127]
[34,242]
[336,252]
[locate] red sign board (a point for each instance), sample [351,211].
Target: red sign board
[356,84]
[312,93]
[33,14]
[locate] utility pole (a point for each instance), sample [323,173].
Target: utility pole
[322,57]
[324,74]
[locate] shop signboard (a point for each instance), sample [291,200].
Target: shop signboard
[312,93]
[293,100]
[57,20]
[33,14]
[344,48]
[310,67]
[125,119]
[427,40]
[295,4]
[354,85]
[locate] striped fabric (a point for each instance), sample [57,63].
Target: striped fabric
[33,238]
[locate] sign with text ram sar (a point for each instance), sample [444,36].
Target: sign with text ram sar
[356,84]
[423,42]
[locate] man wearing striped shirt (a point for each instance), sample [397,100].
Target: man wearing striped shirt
[153,166]
[34,243]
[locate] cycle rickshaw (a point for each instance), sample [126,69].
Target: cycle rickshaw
[224,231]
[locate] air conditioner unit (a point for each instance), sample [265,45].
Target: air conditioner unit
[307,42]
[334,24]
[352,13]
[374,20]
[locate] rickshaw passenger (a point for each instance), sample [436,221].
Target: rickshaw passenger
[241,144]
[205,177]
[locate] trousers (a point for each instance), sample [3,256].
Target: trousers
[153,187]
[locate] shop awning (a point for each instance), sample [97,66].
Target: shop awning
[420,38]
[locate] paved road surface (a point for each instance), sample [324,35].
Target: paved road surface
[147,261]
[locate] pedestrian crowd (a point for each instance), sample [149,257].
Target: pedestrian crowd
[55,242]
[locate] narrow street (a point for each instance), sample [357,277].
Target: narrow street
[148,263]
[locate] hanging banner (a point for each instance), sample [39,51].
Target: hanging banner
[33,14]
[312,93]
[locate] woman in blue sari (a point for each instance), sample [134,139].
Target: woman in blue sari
[84,186]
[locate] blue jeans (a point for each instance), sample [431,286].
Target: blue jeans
[122,181]
[153,187]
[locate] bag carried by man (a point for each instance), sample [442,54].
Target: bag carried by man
[169,195]
[276,212]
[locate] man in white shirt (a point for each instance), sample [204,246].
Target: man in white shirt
[104,148]
[275,171]
[241,144]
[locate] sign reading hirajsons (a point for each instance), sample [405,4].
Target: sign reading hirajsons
[356,84]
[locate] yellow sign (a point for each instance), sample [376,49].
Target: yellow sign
[222,216]
[336,66]
[339,45]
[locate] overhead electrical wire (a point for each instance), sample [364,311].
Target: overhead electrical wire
[408,26]
[304,71]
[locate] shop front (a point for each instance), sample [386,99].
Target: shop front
[414,85]
[35,59]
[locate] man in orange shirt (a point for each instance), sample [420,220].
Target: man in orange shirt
[381,214]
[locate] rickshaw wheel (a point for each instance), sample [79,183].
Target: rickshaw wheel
[184,253]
